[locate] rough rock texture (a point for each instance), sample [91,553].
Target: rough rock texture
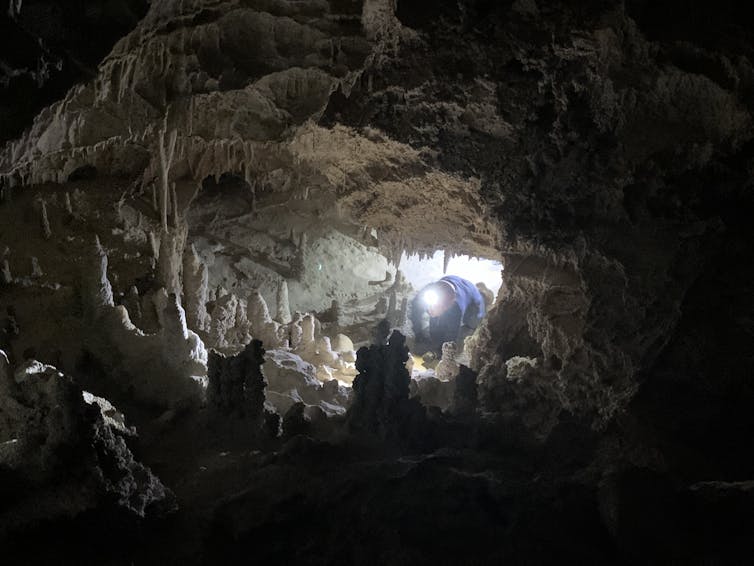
[236,384]
[46,50]
[541,112]
[602,149]
[381,404]
[293,380]
[64,450]
[167,368]
[593,133]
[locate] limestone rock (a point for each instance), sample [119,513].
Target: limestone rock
[448,367]
[44,419]
[195,291]
[283,308]
[237,384]
[381,403]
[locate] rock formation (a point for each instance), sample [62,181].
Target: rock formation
[234,153]
[448,367]
[55,440]
[195,291]
[381,404]
[236,383]
[283,308]
[167,368]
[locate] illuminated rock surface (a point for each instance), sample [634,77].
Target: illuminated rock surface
[210,173]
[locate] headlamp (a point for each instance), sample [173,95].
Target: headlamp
[431,298]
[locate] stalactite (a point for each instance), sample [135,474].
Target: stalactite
[166,159]
[283,307]
[196,290]
[176,217]
[46,231]
[253,188]
[154,244]
[169,262]
[68,206]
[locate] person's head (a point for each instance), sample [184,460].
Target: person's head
[438,297]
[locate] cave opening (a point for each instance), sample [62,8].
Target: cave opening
[294,249]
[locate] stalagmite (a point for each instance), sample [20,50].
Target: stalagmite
[46,231]
[5,275]
[465,392]
[392,307]
[132,303]
[237,384]
[283,308]
[307,346]
[196,290]
[68,206]
[159,303]
[166,154]
[96,291]
[36,271]
[295,331]
[224,321]
[325,352]
[242,328]
[447,368]
[381,403]
[169,263]
[258,312]
[154,245]
[261,323]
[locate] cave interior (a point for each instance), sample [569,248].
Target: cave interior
[216,223]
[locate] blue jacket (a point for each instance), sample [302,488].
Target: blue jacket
[466,294]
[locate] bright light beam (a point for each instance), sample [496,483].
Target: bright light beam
[431,298]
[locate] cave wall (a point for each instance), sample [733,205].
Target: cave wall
[599,151]
[577,141]
[602,149]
